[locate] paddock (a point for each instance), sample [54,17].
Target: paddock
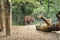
[29,33]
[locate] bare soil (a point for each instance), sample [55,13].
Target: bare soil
[29,32]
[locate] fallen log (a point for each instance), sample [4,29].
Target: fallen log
[53,27]
[49,27]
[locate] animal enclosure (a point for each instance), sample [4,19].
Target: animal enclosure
[21,19]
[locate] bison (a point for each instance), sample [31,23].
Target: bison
[28,19]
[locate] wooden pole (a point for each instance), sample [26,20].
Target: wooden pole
[8,17]
[1,17]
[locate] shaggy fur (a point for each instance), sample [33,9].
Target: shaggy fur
[28,19]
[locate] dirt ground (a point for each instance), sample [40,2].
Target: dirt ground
[29,32]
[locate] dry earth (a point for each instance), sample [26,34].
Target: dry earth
[29,32]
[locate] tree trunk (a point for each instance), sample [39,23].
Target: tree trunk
[7,6]
[1,16]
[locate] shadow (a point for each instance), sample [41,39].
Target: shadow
[4,36]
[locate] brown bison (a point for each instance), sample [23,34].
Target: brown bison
[28,19]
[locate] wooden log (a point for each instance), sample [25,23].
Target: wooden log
[46,20]
[51,27]
[44,27]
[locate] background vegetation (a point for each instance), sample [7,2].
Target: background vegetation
[20,8]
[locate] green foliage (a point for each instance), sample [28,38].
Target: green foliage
[20,8]
[38,11]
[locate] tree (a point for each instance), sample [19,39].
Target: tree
[1,16]
[8,14]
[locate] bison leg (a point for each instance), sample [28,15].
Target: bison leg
[26,23]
